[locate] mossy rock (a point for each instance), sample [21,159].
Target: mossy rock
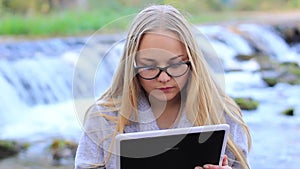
[290,73]
[286,72]
[270,81]
[61,143]
[294,64]
[243,57]
[247,103]
[62,149]
[266,63]
[288,112]
[291,67]
[10,148]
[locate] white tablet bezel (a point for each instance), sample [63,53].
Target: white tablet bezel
[169,132]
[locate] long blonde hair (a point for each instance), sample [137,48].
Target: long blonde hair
[207,102]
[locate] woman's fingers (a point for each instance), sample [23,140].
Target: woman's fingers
[198,167]
[225,161]
[210,166]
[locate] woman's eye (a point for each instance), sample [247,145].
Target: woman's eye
[149,68]
[148,65]
[176,64]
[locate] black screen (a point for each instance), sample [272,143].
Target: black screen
[176,151]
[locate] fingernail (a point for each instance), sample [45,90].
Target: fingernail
[205,166]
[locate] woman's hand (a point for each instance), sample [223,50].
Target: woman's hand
[210,166]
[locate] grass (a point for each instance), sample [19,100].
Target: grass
[58,24]
[80,22]
[72,22]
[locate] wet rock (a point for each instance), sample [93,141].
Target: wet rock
[270,81]
[288,112]
[266,63]
[247,103]
[292,67]
[287,77]
[271,78]
[244,57]
[62,149]
[290,73]
[274,72]
[10,148]
[290,32]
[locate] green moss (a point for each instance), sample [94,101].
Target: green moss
[270,81]
[57,143]
[246,103]
[288,112]
[6,144]
[290,73]
[62,149]
[244,57]
[64,23]
[10,148]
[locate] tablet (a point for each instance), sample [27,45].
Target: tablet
[172,148]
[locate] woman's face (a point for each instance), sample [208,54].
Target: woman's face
[162,49]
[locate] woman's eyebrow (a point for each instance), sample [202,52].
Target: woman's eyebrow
[176,57]
[153,60]
[148,59]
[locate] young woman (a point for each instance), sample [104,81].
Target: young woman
[163,81]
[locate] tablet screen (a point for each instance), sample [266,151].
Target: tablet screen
[181,151]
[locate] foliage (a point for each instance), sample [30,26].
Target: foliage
[65,22]
[73,17]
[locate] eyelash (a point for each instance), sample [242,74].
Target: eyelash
[149,65]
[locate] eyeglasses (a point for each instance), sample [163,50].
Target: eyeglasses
[173,70]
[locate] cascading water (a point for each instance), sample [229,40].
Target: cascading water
[40,79]
[269,41]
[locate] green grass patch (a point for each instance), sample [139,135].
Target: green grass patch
[18,19]
[80,22]
[64,23]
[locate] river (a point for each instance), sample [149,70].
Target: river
[44,84]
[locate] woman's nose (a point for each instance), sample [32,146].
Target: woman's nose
[163,77]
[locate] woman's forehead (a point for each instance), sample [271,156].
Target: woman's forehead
[168,34]
[160,43]
[153,38]
[158,56]
[155,52]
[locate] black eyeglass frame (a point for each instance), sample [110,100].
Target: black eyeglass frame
[161,69]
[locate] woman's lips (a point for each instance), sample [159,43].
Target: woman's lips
[165,89]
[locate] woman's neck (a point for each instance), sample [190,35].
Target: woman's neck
[166,113]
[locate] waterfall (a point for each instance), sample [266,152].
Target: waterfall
[41,72]
[228,45]
[38,80]
[269,41]
[46,84]
[223,34]
[47,72]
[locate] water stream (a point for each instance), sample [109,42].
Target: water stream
[38,84]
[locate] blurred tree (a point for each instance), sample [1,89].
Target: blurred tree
[30,7]
[66,4]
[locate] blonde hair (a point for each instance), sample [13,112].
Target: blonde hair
[207,102]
